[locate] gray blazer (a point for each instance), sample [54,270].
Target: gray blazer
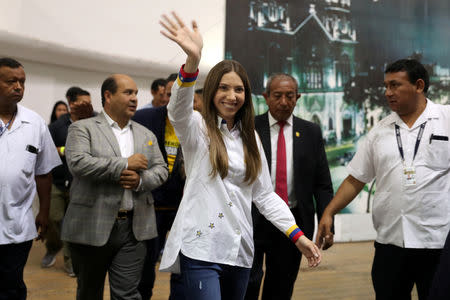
[94,159]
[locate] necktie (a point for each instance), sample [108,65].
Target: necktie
[281,174]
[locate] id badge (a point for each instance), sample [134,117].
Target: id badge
[409,176]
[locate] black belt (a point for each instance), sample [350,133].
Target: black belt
[124,214]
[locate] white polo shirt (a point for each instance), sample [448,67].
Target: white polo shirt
[26,150]
[409,216]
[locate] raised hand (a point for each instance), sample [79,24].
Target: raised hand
[190,41]
[309,250]
[83,109]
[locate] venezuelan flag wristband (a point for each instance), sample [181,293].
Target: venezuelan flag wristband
[294,233]
[186,79]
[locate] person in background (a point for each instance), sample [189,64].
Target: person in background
[211,238]
[170,80]
[158,91]
[80,108]
[27,155]
[300,175]
[60,108]
[198,100]
[408,154]
[167,197]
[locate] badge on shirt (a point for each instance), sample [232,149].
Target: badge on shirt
[409,176]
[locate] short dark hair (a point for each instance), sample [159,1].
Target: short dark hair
[413,68]
[277,75]
[10,63]
[110,85]
[157,83]
[199,91]
[172,77]
[75,91]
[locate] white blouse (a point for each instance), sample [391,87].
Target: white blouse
[214,221]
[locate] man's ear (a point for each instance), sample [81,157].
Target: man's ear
[266,96]
[420,85]
[107,95]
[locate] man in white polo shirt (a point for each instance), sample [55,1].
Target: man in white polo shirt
[27,155]
[408,154]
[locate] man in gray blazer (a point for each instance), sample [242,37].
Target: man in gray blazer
[115,163]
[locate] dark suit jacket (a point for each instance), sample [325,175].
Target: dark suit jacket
[58,130]
[312,180]
[170,193]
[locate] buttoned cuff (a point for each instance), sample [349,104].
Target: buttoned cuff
[294,233]
[186,79]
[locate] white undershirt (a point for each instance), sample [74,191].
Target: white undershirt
[125,140]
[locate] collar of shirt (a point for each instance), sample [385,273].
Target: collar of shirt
[429,113]
[273,121]
[114,124]
[222,125]
[21,117]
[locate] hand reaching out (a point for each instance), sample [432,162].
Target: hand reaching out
[190,41]
[324,237]
[309,250]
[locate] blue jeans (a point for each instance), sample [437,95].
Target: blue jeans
[211,281]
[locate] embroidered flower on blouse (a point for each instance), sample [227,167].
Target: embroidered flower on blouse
[211,225]
[230,204]
[199,233]
[221,215]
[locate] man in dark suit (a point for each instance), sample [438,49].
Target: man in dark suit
[167,197]
[115,164]
[296,157]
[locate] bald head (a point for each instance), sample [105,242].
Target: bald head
[119,97]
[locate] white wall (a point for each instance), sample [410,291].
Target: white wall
[125,29]
[46,84]
[65,43]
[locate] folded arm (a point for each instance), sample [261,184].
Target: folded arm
[82,163]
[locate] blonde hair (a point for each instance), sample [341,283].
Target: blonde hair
[218,155]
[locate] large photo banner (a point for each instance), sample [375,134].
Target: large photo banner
[338,51]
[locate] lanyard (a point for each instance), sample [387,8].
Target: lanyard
[3,129]
[399,140]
